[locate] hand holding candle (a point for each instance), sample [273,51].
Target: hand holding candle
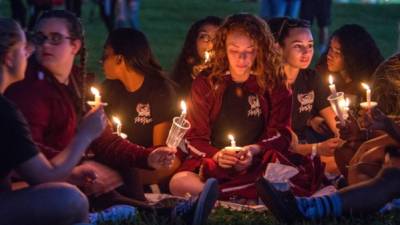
[178,129]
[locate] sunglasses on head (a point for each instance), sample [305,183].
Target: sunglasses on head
[288,23]
[53,38]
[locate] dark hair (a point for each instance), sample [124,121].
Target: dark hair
[267,66]
[280,27]
[134,47]
[360,53]
[189,56]
[10,34]
[76,32]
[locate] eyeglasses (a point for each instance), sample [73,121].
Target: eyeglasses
[53,38]
[204,37]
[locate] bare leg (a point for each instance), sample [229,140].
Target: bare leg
[186,182]
[363,198]
[51,203]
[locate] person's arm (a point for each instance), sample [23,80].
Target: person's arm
[38,169]
[117,152]
[329,116]
[277,134]
[199,112]
[160,133]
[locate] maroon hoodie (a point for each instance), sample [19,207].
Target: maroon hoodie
[51,111]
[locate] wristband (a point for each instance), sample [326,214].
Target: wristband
[314,150]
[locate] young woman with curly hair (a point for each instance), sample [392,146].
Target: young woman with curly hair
[352,58]
[244,94]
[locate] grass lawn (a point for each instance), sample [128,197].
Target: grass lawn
[166,22]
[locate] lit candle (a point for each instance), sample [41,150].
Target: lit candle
[206,57]
[183,114]
[332,85]
[232,139]
[233,147]
[368,92]
[118,124]
[97,97]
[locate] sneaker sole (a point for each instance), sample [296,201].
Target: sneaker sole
[206,202]
[274,203]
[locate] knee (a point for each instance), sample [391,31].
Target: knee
[185,182]
[74,204]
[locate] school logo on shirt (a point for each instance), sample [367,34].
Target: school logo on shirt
[255,108]
[306,101]
[144,114]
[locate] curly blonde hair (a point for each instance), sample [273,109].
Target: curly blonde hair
[386,87]
[267,66]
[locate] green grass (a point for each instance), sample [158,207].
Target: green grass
[166,22]
[223,216]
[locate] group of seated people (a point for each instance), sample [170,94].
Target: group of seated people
[242,76]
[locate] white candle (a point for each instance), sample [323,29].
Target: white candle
[118,123]
[232,139]
[332,85]
[97,96]
[206,57]
[368,93]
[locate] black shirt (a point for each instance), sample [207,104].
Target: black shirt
[153,103]
[16,141]
[241,115]
[309,97]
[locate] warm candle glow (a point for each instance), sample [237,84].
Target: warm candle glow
[365,86]
[332,85]
[232,139]
[368,93]
[183,107]
[94,91]
[206,57]
[116,120]
[330,79]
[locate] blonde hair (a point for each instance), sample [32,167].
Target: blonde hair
[386,87]
[267,66]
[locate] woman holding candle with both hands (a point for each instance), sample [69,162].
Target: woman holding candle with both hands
[244,95]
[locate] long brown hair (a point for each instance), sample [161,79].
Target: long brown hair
[267,66]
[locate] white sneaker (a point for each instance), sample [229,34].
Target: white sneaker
[115,213]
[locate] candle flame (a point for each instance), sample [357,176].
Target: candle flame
[183,107]
[347,102]
[95,91]
[116,120]
[330,78]
[231,138]
[365,86]
[206,56]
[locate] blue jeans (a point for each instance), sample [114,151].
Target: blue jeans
[278,8]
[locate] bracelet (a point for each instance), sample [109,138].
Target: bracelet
[314,150]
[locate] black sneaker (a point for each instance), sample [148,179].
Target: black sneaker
[196,211]
[282,204]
